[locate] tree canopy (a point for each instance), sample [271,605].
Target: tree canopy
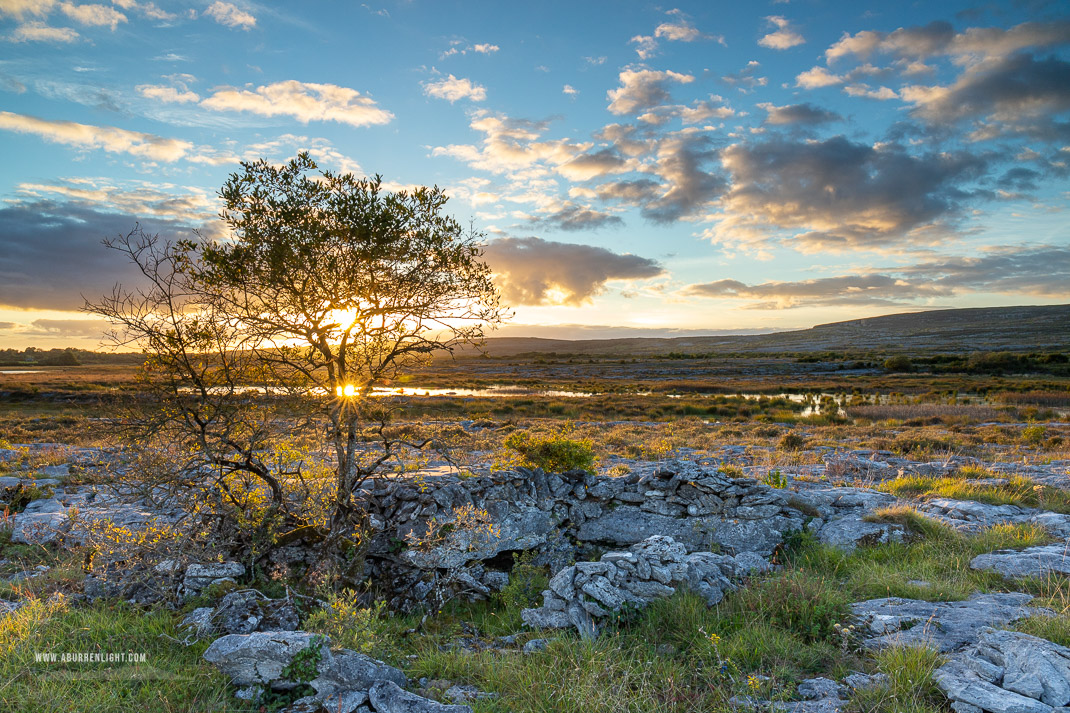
[325,285]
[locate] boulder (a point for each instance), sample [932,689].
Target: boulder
[247,611]
[1007,672]
[852,531]
[259,658]
[200,576]
[42,521]
[1042,561]
[388,697]
[349,671]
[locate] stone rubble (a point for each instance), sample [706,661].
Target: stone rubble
[242,612]
[346,681]
[652,569]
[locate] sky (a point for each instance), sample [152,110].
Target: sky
[637,169]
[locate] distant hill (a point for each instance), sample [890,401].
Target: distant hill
[1028,328]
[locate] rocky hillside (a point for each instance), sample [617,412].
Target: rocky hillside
[1026,328]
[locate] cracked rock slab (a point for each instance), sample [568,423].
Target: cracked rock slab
[944,626]
[1007,672]
[1041,561]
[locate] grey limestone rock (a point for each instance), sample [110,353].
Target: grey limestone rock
[42,521]
[259,658]
[1042,561]
[199,576]
[349,670]
[852,531]
[944,626]
[388,697]
[652,569]
[1007,672]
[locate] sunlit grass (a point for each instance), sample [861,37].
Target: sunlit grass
[173,677]
[1018,490]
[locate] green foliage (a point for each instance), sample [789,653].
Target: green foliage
[348,624]
[775,479]
[730,470]
[1018,490]
[1034,435]
[940,559]
[172,678]
[898,363]
[22,495]
[526,583]
[552,453]
[302,667]
[805,604]
[910,685]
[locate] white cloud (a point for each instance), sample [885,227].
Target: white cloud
[785,37]
[570,90]
[107,138]
[864,90]
[148,9]
[645,46]
[642,89]
[451,88]
[461,47]
[816,78]
[93,15]
[230,15]
[679,30]
[304,101]
[35,31]
[21,8]
[168,95]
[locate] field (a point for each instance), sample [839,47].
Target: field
[990,434]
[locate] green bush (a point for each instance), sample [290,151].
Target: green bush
[348,624]
[526,583]
[553,453]
[898,363]
[1034,435]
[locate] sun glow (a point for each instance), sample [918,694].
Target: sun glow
[347,390]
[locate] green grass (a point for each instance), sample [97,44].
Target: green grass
[941,558]
[910,687]
[173,677]
[668,658]
[1017,491]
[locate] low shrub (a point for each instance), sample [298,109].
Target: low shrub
[349,624]
[526,583]
[791,441]
[552,453]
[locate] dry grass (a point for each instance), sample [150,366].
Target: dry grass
[926,413]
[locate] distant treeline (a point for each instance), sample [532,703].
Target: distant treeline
[1050,363]
[32,356]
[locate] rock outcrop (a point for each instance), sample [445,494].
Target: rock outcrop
[344,680]
[1043,561]
[944,626]
[1007,672]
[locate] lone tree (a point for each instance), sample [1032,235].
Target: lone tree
[326,286]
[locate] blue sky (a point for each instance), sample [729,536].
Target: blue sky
[638,169]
